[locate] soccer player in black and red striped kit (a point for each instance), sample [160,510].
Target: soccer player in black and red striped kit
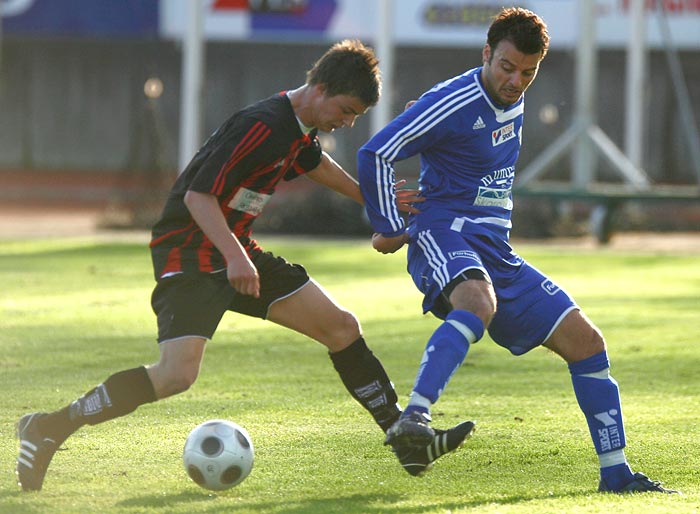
[206,263]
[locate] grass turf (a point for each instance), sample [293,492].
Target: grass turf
[74,311]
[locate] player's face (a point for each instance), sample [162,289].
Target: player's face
[507,72]
[337,111]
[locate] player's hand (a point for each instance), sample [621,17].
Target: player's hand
[405,198]
[388,244]
[243,276]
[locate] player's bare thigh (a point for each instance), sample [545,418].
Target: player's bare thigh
[313,312]
[576,338]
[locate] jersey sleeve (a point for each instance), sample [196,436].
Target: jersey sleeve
[308,159]
[413,131]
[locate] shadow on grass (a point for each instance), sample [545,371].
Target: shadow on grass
[354,504]
[7,505]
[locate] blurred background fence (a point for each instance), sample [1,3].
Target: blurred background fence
[84,120]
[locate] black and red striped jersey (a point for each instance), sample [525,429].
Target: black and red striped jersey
[241,164]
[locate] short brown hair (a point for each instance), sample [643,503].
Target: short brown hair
[348,68]
[523,28]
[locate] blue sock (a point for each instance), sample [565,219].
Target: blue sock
[444,353]
[599,398]
[618,476]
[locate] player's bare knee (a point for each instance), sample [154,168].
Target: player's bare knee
[592,339]
[170,377]
[476,295]
[183,381]
[349,326]
[179,383]
[595,342]
[344,329]
[485,308]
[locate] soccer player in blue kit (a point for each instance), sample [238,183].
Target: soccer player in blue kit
[468,132]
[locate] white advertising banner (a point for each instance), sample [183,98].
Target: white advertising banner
[425,22]
[454,22]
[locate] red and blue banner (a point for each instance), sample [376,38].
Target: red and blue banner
[81,18]
[460,23]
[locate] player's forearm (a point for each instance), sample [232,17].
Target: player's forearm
[207,214]
[331,175]
[389,244]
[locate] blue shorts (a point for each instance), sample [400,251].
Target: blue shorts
[529,305]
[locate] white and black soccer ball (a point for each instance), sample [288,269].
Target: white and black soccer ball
[218,454]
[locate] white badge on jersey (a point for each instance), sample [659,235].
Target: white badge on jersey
[250,202]
[490,197]
[503,134]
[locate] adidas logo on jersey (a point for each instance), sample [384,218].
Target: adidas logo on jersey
[479,124]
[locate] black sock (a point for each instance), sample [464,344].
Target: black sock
[365,379]
[117,396]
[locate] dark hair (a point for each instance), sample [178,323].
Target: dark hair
[523,28]
[348,68]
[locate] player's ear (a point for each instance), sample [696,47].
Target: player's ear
[321,89]
[486,54]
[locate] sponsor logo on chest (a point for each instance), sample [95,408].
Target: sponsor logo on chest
[503,134]
[250,202]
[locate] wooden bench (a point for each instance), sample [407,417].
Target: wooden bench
[610,197]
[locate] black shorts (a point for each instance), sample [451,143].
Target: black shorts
[192,304]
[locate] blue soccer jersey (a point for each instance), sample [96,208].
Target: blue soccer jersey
[468,148]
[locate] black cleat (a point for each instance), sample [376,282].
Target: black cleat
[35,453]
[640,484]
[410,431]
[417,462]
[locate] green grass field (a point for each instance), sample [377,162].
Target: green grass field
[74,311]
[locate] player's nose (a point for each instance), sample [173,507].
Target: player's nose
[517,80]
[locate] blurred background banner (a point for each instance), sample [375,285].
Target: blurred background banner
[94,98]
[415,22]
[80,17]
[419,22]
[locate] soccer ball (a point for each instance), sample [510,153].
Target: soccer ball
[218,454]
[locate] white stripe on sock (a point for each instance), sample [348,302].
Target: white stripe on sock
[419,401]
[603,374]
[463,329]
[612,458]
